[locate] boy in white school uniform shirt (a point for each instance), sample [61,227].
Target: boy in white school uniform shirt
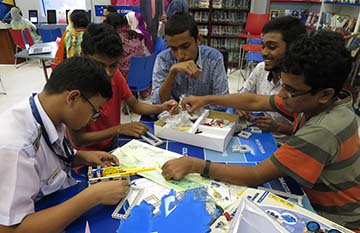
[36,158]
[278,34]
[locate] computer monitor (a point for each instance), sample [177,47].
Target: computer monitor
[33,16]
[51,16]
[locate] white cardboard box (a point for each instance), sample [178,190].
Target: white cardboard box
[289,215]
[213,138]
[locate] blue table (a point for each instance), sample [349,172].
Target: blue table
[99,218]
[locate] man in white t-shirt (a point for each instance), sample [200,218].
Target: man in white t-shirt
[278,34]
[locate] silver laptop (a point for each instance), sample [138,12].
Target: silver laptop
[39,50]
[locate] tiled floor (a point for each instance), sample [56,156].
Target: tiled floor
[20,83]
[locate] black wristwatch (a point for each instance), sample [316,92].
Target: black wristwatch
[205,172]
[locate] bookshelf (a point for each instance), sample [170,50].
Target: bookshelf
[220,21]
[308,10]
[342,16]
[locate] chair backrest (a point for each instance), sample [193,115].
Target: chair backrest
[27,37]
[48,35]
[255,23]
[254,57]
[160,45]
[140,72]
[18,38]
[21,37]
[254,41]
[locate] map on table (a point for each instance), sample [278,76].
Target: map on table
[262,146]
[140,154]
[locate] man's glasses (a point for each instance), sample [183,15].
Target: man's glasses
[292,93]
[95,113]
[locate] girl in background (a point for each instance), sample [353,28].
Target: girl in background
[70,43]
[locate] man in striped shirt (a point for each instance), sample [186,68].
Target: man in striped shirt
[323,152]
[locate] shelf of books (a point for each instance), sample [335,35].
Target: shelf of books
[301,1]
[306,10]
[220,21]
[343,3]
[341,16]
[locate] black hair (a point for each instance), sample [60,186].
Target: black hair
[288,26]
[179,23]
[101,39]
[110,8]
[80,18]
[116,20]
[80,73]
[337,37]
[322,58]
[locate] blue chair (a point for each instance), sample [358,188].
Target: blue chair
[140,72]
[48,35]
[160,45]
[255,41]
[252,58]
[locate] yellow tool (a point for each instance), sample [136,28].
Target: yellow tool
[125,171]
[131,172]
[108,171]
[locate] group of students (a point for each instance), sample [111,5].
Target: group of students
[301,78]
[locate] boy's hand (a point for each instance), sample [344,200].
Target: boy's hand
[177,168]
[195,102]
[243,114]
[94,158]
[110,192]
[266,123]
[188,67]
[133,129]
[171,106]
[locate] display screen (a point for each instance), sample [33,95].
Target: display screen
[33,16]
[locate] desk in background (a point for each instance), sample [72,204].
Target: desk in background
[42,57]
[99,218]
[7,46]
[52,26]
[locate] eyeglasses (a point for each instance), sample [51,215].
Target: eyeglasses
[95,113]
[292,93]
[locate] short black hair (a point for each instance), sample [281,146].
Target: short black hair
[80,18]
[116,20]
[80,73]
[101,39]
[322,58]
[110,8]
[288,26]
[179,23]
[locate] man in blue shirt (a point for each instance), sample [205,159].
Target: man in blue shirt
[177,6]
[186,67]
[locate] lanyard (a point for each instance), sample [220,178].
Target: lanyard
[67,148]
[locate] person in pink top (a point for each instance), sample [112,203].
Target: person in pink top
[130,41]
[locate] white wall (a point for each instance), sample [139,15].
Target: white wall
[26,5]
[260,6]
